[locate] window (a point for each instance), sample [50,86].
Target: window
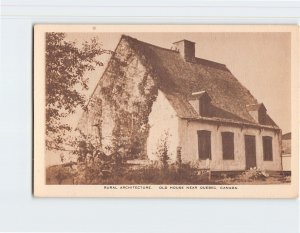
[228,145]
[204,144]
[250,151]
[204,103]
[267,147]
[262,115]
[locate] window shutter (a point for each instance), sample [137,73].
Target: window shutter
[267,148]
[228,145]
[204,144]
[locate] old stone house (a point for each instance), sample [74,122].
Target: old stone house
[147,92]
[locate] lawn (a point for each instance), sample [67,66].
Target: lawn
[73,173]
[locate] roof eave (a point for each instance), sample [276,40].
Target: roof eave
[231,122]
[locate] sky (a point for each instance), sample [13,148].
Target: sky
[260,61]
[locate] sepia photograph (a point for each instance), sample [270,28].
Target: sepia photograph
[156,110]
[150,116]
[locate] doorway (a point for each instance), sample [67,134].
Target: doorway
[250,151]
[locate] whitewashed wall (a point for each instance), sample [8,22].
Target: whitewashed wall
[188,140]
[162,119]
[286,162]
[286,156]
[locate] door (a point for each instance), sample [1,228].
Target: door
[204,144]
[250,151]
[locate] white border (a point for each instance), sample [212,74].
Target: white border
[243,191]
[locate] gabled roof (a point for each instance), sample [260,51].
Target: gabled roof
[178,79]
[200,95]
[255,107]
[287,136]
[176,42]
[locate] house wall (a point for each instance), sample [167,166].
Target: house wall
[106,126]
[286,155]
[162,120]
[188,140]
[286,162]
[121,99]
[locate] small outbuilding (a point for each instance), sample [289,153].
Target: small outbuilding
[286,152]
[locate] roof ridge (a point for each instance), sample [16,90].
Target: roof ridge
[176,51]
[147,43]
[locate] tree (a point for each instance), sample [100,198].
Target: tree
[66,66]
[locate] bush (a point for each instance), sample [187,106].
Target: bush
[95,167]
[253,174]
[99,169]
[162,152]
[59,175]
[100,172]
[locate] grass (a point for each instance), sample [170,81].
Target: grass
[153,174]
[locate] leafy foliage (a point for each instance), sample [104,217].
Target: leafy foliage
[253,174]
[66,66]
[109,171]
[162,151]
[130,113]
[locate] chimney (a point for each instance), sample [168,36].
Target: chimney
[186,49]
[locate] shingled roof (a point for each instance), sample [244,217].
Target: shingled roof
[287,136]
[178,79]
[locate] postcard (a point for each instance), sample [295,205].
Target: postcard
[187,111]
